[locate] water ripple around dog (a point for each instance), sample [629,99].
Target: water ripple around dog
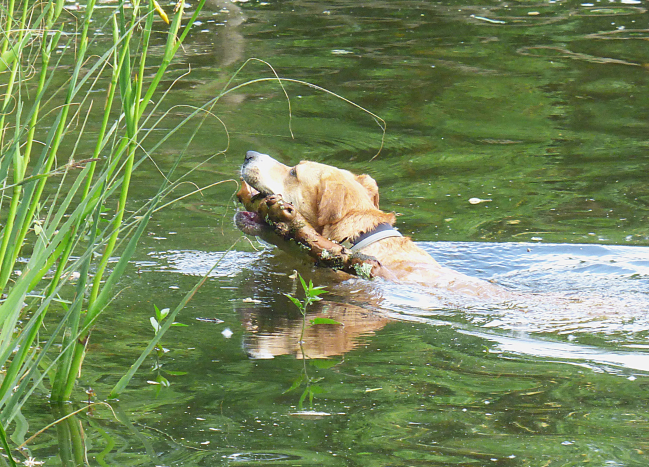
[571,294]
[603,289]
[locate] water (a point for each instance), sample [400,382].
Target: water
[540,108]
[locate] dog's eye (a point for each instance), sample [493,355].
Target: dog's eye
[293,172]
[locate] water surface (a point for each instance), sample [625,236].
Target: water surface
[539,108]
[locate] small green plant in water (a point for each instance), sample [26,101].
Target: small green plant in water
[156,322]
[311,295]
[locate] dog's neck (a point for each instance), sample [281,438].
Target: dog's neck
[380,232]
[358,224]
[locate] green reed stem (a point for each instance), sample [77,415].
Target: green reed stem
[128,142]
[110,97]
[62,249]
[5,446]
[16,63]
[51,157]
[20,167]
[8,25]
[133,106]
[58,237]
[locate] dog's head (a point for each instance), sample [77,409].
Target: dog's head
[335,202]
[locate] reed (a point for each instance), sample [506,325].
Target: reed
[51,199]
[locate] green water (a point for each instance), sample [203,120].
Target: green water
[541,108]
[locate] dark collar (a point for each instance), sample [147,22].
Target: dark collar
[366,239]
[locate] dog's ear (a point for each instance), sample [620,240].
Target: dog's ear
[334,202]
[370,185]
[337,198]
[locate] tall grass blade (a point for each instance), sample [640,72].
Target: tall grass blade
[5,446]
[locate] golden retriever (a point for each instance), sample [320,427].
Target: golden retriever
[345,208]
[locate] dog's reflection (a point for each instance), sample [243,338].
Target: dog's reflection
[270,335]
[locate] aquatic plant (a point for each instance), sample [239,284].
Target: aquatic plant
[156,322]
[53,197]
[311,295]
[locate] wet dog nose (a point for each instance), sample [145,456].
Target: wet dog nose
[251,155]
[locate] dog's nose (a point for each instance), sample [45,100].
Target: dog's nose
[251,155]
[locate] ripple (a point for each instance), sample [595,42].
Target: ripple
[621,34]
[259,457]
[573,291]
[546,51]
[609,11]
[199,263]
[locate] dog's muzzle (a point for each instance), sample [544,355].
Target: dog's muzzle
[255,171]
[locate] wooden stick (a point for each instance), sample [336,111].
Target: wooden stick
[272,216]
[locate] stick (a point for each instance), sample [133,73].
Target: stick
[269,216]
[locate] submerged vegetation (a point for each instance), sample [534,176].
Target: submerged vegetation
[63,212]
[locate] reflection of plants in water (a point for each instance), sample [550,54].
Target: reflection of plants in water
[311,295]
[156,323]
[311,388]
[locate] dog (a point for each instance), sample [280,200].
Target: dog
[344,207]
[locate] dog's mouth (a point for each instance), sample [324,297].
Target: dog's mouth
[257,192]
[251,223]
[252,189]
